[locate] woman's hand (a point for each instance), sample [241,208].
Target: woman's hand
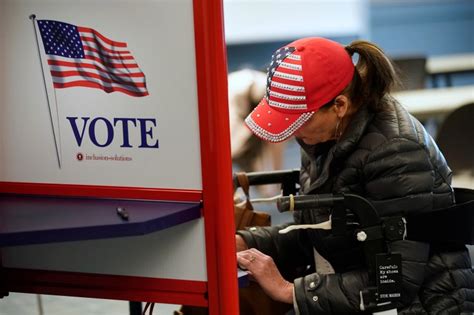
[263,269]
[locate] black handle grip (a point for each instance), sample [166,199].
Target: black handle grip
[307,202]
[270,177]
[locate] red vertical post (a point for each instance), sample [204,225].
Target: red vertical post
[216,163]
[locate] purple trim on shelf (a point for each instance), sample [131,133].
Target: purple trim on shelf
[28,220]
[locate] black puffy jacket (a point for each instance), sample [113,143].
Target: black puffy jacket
[389,158]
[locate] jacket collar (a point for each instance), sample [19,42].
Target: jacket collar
[354,132]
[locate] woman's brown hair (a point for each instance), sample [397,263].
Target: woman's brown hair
[374,78]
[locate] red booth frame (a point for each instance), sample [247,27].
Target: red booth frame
[219,293]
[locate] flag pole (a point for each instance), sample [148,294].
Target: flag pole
[33,19]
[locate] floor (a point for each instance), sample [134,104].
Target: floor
[29,304]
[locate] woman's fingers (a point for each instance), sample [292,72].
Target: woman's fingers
[245,258]
[257,253]
[263,269]
[254,261]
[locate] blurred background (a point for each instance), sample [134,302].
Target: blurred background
[254,29]
[431,41]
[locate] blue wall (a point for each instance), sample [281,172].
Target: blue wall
[430,27]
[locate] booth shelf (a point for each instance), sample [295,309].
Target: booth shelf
[26,220]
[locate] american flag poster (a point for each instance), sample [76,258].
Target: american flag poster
[82,57]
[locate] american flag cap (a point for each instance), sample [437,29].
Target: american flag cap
[302,77]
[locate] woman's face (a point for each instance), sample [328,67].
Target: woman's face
[321,127]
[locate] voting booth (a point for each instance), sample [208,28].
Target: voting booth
[115,167]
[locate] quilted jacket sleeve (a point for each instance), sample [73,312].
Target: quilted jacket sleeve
[339,293]
[289,251]
[449,283]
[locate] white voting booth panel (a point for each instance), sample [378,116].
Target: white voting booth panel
[153,139]
[127,102]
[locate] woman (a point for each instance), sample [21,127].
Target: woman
[354,138]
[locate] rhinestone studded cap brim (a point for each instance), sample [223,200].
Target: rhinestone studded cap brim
[277,137]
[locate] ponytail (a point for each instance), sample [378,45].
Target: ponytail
[374,78]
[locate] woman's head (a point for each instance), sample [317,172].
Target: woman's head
[327,123]
[313,88]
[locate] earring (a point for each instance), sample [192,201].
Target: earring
[337,132]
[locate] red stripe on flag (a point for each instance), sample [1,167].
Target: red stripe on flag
[289,71]
[87,40]
[287,81]
[106,56]
[292,61]
[287,92]
[65,74]
[286,101]
[113,54]
[109,58]
[112,65]
[91,66]
[102,37]
[98,86]
[283,91]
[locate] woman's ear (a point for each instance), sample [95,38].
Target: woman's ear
[341,105]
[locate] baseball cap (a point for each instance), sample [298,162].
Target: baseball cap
[302,77]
